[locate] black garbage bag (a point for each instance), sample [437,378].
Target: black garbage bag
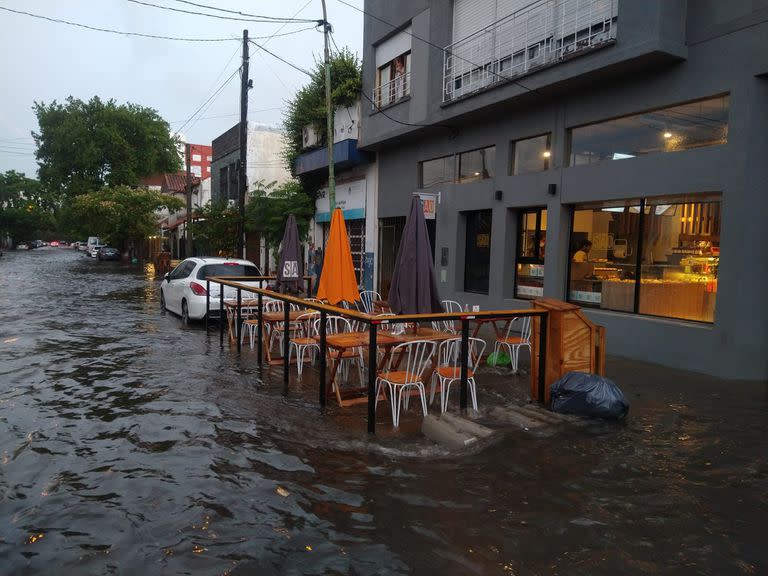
[588,395]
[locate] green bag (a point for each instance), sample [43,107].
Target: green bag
[498,359]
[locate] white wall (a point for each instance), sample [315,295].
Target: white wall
[265,157]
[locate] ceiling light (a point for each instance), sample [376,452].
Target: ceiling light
[547,154]
[667,134]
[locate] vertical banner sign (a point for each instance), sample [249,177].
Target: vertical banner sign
[429,202]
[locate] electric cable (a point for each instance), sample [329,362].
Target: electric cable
[283,60]
[260,19]
[211,97]
[292,18]
[120,32]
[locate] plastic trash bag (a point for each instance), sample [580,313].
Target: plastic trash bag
[498,359]
[588,395]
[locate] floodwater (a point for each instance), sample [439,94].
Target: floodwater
[132,444]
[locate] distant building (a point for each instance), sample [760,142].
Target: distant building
[264,163]
[201,156]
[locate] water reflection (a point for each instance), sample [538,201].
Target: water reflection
[131,443]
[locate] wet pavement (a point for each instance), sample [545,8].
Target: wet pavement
[132,444]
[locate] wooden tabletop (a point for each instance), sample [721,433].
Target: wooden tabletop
[280,316]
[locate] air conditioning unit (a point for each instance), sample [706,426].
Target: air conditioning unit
[310,138]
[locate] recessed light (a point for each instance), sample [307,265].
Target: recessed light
[667,134]
[547,154]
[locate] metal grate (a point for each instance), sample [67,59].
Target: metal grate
[539,35]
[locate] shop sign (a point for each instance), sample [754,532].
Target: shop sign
[350,197]
[429,202]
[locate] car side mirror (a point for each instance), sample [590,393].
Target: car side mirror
[167,276]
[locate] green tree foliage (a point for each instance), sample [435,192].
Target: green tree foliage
[122,215]
[25,211]
[268,209]
[308,106]
[83,146]
[215,228]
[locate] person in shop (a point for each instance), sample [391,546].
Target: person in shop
[582,254]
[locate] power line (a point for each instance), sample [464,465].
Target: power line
[111,31]
[230,115]
[261,19]
[292,18]
[443,50]
[283,60]
[211,97]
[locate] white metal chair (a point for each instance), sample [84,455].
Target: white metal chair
[448,369]
[304,342]
[417,356]
[448,325]
[278,328]
[513,343]
[250,323]
[338,325]
[367,298]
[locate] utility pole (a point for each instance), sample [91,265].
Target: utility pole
[187,229]
[242,180]
[329,113]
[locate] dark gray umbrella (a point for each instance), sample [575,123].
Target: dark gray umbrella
[290,267]
[414,288]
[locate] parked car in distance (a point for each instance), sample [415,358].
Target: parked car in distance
[82,245]
[54,244]
[183,289]
[108,253]
[93,251]
[22,246]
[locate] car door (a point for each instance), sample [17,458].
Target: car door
[177,280]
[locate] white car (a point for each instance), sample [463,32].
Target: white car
[183,290]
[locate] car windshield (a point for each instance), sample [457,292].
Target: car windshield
[226,270]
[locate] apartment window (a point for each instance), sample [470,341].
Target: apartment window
[477,257]
[208,158]
[437,171]
[197,158]
[393,69]
[693,125]
[531,244]
[530,154]
[656,256]
[477,164]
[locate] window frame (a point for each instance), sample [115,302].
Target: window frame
[538,259]
[378,86]
[547,160]
[457,165]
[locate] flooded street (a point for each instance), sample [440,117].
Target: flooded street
[132,444]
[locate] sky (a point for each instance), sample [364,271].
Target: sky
[42,61]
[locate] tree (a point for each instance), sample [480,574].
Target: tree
[83,146]
[121,215]
[25,211]
[215,228]
[308,106]
[269,206]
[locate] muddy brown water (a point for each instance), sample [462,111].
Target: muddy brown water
[132,444]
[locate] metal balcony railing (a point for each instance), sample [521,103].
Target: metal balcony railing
[541,34]
[392,91]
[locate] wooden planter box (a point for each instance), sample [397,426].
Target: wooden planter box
[574,343]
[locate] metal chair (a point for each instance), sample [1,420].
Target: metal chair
[339,325]
[514,343]
[306,341]
[367,298]
[448,369]
[448,325]
[418,357]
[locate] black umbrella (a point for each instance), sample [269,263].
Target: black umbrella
[414,288]
[290,266]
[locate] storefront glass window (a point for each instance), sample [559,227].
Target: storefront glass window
[530,155]
[477,164]
[651,256]
[477,258]
[531,243]
[437,171]
[692,125]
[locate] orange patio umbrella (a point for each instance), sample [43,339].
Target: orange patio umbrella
[337,281]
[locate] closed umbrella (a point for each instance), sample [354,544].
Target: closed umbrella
[290,265]
[414,287]
[337,281]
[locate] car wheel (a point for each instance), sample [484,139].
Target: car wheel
[184,312]
[162,302]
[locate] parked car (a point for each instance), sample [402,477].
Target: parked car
[183,290]
[22,246]
[54,244]
[93,251]
[82,245]
[108,253]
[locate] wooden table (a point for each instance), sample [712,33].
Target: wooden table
[230,309]
[270,319]
[493,322]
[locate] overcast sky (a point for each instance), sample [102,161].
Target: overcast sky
[45,61]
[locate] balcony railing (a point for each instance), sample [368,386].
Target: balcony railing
[390,92]
[539,35]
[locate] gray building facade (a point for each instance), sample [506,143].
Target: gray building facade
[609,153]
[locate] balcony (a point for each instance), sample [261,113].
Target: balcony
[393,91]
[345,155]
[540,35]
